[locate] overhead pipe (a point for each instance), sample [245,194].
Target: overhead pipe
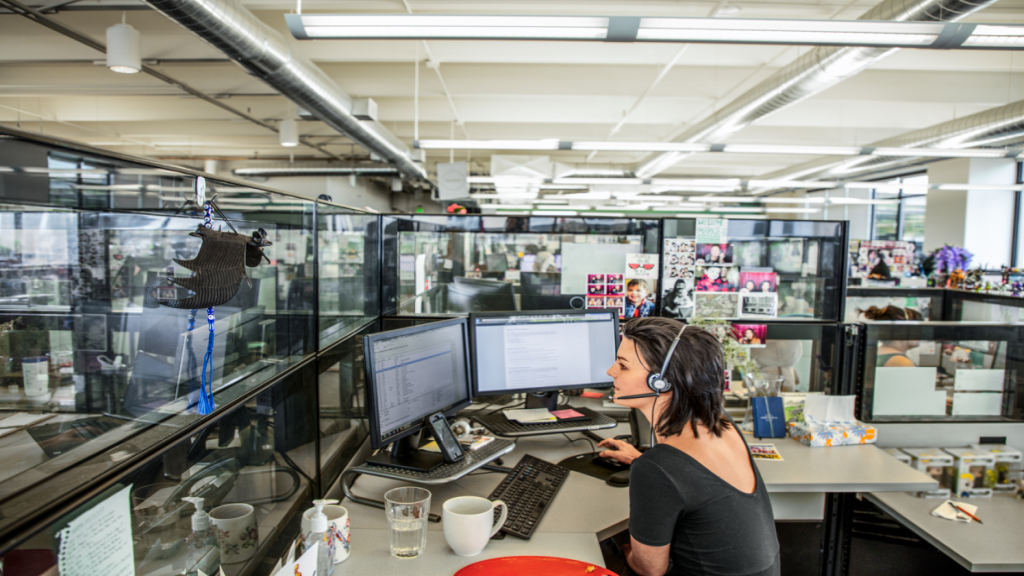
[313,171]
[810,74]
[265,53]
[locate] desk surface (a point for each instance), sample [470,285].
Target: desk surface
[587,510]
[994,546]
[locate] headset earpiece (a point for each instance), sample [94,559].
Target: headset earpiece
[655,381]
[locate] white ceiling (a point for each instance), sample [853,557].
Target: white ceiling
[502,90]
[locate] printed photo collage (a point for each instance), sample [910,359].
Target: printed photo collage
[606,291]
[899,255]
[679,269]
[720,289]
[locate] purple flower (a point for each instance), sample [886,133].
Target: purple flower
[949,258]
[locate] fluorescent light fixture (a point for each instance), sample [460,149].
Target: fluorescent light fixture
[721,182]
[511,206]
[597,181]
[123,53]
[564,187]
[845,201]
[791,183]
[440,26]
[750,210]
[549,201]
[640,147]
[540,212]
[934,35]
[604,214]
[587,171]
[943,152]
[784,149]
[550,144]
[676,209]
[972,187]
[503,196]
[583,196]
[793,210]
[806,200]
[289,133]
[661,163]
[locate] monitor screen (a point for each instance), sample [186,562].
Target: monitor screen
[543,351]
[413,373]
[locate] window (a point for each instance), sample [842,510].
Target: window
[904,218]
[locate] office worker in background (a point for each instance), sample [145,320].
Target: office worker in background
[697,502]
[893,353]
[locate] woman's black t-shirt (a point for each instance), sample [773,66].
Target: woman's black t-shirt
[712,527]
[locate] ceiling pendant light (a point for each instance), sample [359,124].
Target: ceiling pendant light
[123,53]
[289,129]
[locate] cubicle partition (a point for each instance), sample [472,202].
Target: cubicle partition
[930,302]
[89,239]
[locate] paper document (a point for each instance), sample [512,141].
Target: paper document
[532,415]
[23,419]
[977,379]
[765,452]
[977,403]
[100,540]
[946,510]
[907,392]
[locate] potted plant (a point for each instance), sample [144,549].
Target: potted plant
[951,261]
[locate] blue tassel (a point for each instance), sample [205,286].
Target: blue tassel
[206,405]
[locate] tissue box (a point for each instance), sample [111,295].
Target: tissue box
[933,462]
[1006,459]
[899,455]
[829,421]
[973,473]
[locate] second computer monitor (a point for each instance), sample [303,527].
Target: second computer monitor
[413,373]
[480,295]
[517,352]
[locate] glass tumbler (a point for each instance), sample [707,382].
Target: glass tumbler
[408,509]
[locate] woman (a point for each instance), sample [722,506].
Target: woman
[697,502]
[679,300]
[749,338]
[893,353]
[748,287]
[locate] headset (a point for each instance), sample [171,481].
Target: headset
[656,381]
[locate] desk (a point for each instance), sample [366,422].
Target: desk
[990,547]
[587,510]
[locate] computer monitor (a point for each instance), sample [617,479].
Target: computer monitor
[412,373]
[479,295]
[497,262]
[543,351]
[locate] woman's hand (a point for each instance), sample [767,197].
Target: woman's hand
[620,450]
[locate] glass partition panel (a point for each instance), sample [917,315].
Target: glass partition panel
[98,347]
[342,389]
[254,468]
[942,371]
[348,245]
[984,307]
[782,269]
[927,301]
[461,264]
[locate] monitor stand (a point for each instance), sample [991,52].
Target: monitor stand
[547,400]
[406,455]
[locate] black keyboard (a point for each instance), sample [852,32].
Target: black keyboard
[528,490]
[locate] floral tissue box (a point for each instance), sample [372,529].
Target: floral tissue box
[829,421]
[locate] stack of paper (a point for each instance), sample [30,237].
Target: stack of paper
[947,511]
[531,416]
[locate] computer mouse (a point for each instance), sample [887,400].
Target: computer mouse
[609,463]
[620,479]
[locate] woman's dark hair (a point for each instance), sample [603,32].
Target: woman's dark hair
[695,372]
[891,313]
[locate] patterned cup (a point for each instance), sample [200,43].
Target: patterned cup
[237,534]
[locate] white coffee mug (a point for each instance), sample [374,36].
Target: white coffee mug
[469,523]
[237,533]
[338,524]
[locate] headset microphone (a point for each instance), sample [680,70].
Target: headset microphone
[652,394]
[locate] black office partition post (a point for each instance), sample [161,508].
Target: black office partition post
[838,525]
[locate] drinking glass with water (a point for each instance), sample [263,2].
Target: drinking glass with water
[408,509]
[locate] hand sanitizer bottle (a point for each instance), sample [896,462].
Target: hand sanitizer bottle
[201,544]
[320,531]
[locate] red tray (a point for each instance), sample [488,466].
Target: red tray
[532,565]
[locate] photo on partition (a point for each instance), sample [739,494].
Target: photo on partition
[750,334]
[721,254]
[595,278]
[687,246]
[614,289]
[672,258]
[595,289]
[716,305]
[641,294]
[671,246]
[759,305]
[678,299]
[595,301]
[713,279]
[760,282]
[613,278]
[614,301]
